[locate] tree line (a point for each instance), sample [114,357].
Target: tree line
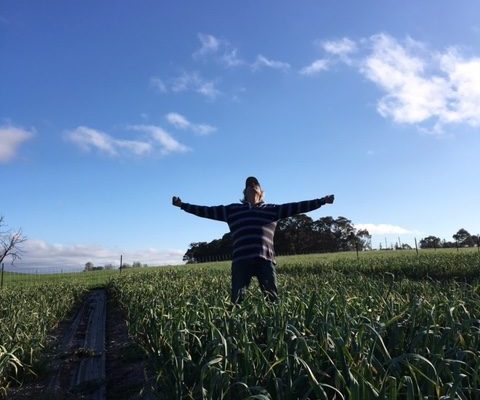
[299,234]
[461,239]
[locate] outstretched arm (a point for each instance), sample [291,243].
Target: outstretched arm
[290,209]
[218,213]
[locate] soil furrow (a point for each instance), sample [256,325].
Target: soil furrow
[93,358]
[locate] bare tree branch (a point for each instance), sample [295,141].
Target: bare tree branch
[10,243]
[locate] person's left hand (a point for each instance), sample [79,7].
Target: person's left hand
[176,201]
[329,199]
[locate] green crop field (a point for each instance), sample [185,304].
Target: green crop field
[384,325]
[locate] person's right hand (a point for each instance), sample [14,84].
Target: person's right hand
[176,201]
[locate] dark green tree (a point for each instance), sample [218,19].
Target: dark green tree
[463,238]
[292,235]
[430,242]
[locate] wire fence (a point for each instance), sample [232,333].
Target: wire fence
[15,277]
[40,275]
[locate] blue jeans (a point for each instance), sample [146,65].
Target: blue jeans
[244,270]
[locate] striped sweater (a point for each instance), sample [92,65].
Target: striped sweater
[252,227]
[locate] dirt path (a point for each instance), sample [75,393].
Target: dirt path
[93,358]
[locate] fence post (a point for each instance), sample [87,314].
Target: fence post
[1,285]
[121,258]
[416,247]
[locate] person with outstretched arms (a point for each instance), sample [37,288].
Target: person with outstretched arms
[252,224]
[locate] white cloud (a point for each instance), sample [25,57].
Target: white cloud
[383,229]
[315,67]
[341,48]
[11,138]
[430,89]
[180,122]
[464,79]
[177,120]
[262,62]
[164,139]
[88,139]
[44,256]
[421,86]
[412,97]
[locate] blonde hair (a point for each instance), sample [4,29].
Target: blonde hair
[258,190]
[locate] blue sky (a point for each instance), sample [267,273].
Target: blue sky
[107,109]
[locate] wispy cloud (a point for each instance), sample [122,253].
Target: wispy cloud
[158,84]
[264,62]
[218,49]
[11,138]
[223,52]
[44,256]
[154,139]
[89,139]
[186,82]
[209,45]
[383,229]
[180,122]
[231,59]
[340,48]
[193,82]
[336,51]
[315,67]
[161,137]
